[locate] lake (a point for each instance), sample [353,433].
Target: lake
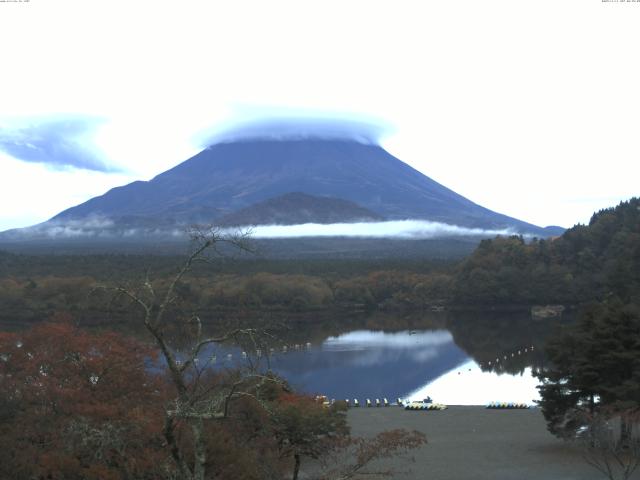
[473,361]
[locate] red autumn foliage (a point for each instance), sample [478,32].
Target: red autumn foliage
[75,404]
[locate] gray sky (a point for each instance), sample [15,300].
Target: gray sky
[529,108]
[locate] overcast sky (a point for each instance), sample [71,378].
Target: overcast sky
[530,108]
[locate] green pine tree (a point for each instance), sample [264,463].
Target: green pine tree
[595,367]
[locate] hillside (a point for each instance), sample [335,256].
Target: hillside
[588,262]
[297,208]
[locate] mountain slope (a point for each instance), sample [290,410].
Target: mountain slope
[227,177]
[296,208]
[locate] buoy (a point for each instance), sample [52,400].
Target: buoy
[508,405]
[244,354]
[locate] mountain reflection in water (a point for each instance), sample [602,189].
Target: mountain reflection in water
[412,364]
[366,364]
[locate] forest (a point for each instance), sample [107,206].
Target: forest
[588,262]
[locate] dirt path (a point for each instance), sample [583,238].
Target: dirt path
[479,444]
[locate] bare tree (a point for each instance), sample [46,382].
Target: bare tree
[357,457]
[611,443]
[197,398]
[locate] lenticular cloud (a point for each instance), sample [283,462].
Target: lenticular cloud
[302,126]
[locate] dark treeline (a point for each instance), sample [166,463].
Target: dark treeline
[34,287]
[108,266]
[588,262]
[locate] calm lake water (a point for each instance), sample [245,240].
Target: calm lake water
[474,364]
[407,364]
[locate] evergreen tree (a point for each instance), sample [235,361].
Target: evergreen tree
[595,367]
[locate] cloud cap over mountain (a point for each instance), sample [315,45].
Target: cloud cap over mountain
[261,124]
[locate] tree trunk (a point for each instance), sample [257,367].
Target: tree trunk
[199,449]
[296,466]
[183,469]
[625,432]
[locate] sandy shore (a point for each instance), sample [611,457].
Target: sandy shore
[478,444]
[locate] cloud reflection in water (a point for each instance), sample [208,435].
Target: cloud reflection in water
[371,364]
[469,385]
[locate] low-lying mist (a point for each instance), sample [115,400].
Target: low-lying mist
[405,229]
[105,228]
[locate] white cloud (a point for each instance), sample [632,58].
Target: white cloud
[281,123]
[365,339]
[57,141]
[401,229]
[375,348]
[408,229]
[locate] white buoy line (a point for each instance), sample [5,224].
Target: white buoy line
[506,356]
[259,352]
